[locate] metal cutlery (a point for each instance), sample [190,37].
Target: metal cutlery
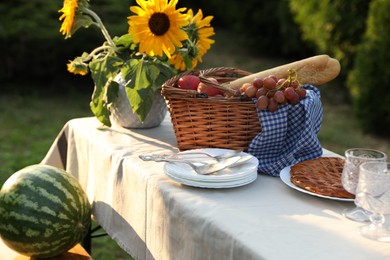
[190,156]
[198,164]
[215,167]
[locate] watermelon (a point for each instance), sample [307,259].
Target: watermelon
[43,211]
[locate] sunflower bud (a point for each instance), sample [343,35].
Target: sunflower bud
[77,66]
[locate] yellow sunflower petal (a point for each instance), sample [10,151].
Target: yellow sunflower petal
[178,62]
[143,4]
[137,10]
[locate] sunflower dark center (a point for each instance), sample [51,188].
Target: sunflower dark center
[159,23]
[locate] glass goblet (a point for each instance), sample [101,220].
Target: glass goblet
[353,159]
[373,194]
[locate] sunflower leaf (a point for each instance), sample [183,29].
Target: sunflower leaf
[103,71]
[166,72]
[125,40]
[141,76]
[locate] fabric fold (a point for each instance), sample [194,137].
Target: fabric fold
[289,135]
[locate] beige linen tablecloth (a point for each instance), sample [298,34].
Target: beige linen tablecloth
[153,217]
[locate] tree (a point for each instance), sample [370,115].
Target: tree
[333,27]
[369,80]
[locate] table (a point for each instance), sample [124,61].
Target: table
[153,217]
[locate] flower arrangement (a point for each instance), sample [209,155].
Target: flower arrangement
[161,41]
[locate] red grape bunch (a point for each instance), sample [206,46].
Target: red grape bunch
[272,92]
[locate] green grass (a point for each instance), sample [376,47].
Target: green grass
[340,131]
[30,123]
[105,248]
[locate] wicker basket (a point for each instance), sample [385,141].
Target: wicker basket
[201,122]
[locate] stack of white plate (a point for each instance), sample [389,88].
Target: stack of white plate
[239,175]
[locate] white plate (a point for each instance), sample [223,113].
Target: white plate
[285,177]
[184,171]
[214,185]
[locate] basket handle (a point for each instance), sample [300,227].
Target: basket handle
[221,74]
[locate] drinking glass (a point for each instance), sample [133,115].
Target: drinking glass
[373,194]
[353,159]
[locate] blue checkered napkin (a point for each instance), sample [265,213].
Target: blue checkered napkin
[289,135]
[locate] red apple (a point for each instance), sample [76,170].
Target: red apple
[188,82]
[209,89]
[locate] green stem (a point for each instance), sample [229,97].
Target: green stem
[101,26]
[90,55]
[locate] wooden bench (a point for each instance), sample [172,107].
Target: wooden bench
[76,253]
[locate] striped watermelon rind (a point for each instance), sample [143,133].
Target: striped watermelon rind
[43,211]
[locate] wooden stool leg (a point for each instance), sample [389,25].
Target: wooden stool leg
[86,243]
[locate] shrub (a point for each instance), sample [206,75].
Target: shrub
[369,80]
[332,26]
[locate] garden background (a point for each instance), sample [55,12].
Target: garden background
[38,96]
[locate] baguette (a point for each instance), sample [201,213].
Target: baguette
[316,70]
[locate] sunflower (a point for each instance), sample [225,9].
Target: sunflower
[78,67]
[70,11]
[157,26]
[199,30]
[204,31]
